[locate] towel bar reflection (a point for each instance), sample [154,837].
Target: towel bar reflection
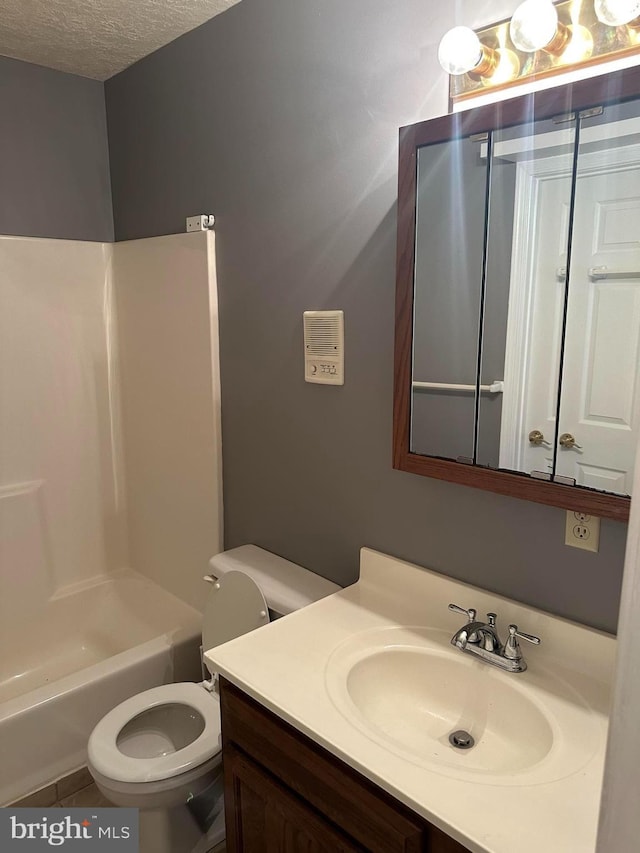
[496,387]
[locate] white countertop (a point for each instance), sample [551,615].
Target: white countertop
[283,665]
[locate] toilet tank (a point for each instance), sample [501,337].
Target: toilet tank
[286,586]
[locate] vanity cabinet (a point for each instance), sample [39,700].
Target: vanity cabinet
[286,794]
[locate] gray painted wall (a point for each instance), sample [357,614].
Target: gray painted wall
[54,161]
[281,117]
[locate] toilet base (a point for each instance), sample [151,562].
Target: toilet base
[175,830]
[169,831]
[167,824]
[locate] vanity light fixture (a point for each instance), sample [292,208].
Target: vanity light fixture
[542,38]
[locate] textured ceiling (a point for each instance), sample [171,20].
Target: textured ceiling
[96,38]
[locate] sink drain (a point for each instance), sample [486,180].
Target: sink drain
[461,739]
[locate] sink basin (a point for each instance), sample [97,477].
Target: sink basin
[417,698]
[408,689]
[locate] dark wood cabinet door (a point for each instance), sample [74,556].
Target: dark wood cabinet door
[264,817]
[286,794]
[363,812]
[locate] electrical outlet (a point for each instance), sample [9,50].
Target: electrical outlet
[582,531]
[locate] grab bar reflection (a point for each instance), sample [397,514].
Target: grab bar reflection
[496,387]
[600,273]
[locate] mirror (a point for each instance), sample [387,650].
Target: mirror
[518,296]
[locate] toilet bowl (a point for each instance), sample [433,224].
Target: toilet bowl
[160,750]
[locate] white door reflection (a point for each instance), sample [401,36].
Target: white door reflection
[600,395]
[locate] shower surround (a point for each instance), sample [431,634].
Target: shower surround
[90,608]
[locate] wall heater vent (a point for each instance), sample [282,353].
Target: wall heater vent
[324,347]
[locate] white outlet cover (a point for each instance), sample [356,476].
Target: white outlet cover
[582,531]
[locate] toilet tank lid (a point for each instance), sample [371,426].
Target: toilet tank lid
[286,586]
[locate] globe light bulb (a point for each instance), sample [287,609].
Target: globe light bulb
[460,50]
[579,47]
[534,25]
[507,69]
[616,13]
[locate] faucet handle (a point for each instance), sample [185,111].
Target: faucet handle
[470,613]
[530,638]
[511,649]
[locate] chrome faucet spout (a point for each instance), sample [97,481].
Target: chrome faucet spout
[481,639]
[462,637]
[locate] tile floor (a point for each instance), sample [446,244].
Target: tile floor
[89,797]
[77,790]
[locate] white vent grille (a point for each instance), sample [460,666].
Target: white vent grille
[324,347]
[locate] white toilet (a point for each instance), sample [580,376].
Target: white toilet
[160,750]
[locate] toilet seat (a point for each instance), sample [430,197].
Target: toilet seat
[235,605]
[107,759]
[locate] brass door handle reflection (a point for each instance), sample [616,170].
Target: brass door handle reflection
[568,441]
[537,438]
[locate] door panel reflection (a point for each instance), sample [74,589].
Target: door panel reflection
[531,180]
[600,386]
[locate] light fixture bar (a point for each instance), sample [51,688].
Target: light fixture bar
[578,37]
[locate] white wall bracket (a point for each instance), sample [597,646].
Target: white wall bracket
[201,222]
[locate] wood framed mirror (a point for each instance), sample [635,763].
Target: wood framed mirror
[518,296]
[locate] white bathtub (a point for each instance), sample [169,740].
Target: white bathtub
[85,652]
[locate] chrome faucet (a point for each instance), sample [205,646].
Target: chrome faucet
[481,639]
